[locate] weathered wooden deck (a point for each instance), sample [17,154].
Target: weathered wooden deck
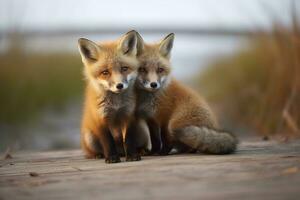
[259,170]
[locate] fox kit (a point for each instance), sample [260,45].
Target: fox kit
[108,115]
[177,116]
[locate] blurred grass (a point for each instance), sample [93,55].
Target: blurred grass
[31,82]
[259,86]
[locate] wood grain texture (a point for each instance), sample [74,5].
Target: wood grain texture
[259,170]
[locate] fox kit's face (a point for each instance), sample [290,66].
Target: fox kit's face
[110,66]
[154,69]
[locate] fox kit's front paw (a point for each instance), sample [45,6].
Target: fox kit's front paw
[112,159]
[144,152]
[134,157]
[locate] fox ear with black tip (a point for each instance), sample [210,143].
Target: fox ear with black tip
[166,45]
[128,43]
[140,44]
[88,49]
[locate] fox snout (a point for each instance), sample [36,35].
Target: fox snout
[152,85]
[119,83]
[118,87]
[150,81]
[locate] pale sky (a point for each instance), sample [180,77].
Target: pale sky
[63,14]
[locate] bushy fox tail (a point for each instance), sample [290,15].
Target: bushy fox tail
[207,140]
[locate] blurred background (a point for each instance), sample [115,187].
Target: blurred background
[243,56]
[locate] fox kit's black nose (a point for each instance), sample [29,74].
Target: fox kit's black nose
[153,85]
[119,86]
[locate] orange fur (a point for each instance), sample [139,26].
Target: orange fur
[182,114]
[108,110]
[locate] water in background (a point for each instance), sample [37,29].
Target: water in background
[61,129]
[189,54]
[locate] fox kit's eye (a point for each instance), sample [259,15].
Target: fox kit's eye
[160,70]
[142,70]
[124,69]
[105,73]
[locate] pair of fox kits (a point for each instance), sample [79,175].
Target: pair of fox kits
[132,103]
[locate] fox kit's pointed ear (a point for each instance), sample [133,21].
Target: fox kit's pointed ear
[166,45]
[88,49]
[140,44]
[128,43]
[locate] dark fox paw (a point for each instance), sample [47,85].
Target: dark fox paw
[144,152]
[135,157]
[112,159]
[165,151]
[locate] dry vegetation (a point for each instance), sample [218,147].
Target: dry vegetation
[260,85]
[31,82]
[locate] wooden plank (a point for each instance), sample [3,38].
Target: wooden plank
[259,170]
